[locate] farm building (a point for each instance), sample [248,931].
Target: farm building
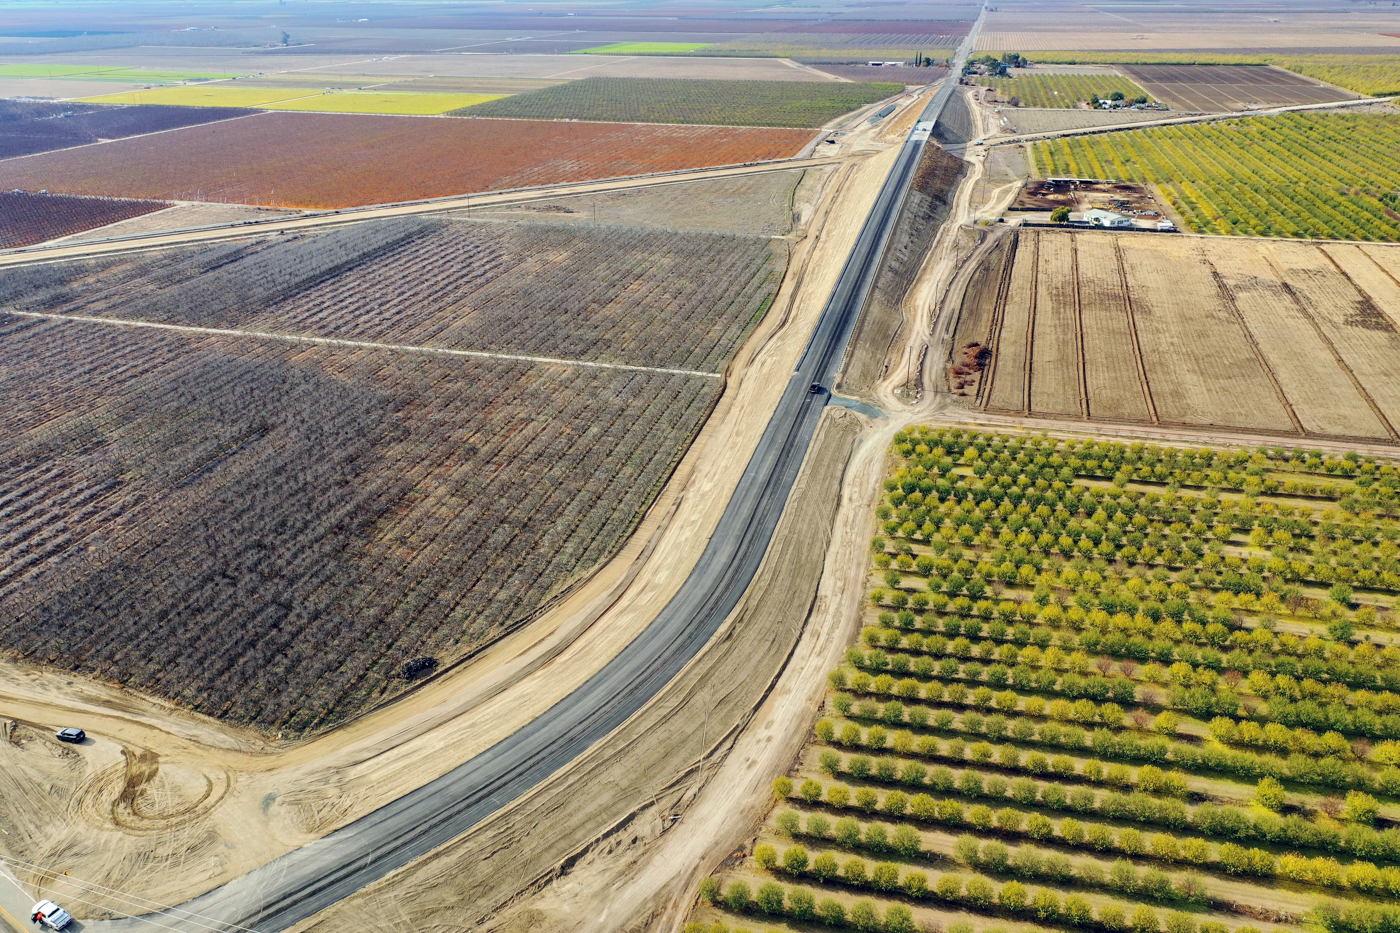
[1100,218]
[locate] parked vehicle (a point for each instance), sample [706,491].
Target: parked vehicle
[48,914]
[71,734]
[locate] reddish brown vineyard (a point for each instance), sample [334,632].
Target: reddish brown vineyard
[336,160]
[26,219]
[274,532]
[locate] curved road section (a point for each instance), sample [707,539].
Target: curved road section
[303,882]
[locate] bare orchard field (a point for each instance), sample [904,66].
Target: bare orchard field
[756,204]
[1231,87]
[266,530]
[1286,338]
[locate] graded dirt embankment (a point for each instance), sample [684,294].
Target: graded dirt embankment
[921,216]
[592,825]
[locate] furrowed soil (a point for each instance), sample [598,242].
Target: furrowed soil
[1190,341]
[1276,337]
[1011,334]
[1111,368]
[1055,356]
[1301,358]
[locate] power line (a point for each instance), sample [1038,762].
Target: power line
[134,900]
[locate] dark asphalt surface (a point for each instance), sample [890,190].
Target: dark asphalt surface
[309,879]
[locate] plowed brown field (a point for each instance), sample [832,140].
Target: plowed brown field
[338,160]
[1286,338]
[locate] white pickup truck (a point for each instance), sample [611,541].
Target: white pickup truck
[49,914]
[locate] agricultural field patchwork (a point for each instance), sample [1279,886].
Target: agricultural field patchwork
[1317,175]
[840,41]
[330,160]
[26,219]
[105,73]
[1375,75]
[1284,338]
[281,532]
[300,98]
[387,102]
[659,100]
[1230,87]
[28,127]
[1061,90]
[218,95]
[1102,687]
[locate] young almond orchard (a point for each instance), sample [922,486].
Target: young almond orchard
[1104,687]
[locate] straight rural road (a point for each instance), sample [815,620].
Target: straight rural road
[303,882]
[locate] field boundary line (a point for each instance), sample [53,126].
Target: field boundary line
[1227,298]
[1336,354]
[1079,328]
[360,344]
[1133,331]
[1028,365]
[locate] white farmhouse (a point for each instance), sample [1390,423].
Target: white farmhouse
[1100,218]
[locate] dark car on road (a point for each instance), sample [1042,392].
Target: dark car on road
[71,734]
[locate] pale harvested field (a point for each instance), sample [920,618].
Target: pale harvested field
[1295,339]
[1055,347]
[1033,120]
[1013,326]
[1198,358]
[1302,359]
[1363,335]
[1111,369]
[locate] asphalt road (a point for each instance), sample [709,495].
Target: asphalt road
[317,875]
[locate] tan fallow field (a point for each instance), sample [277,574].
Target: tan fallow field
[1278,337]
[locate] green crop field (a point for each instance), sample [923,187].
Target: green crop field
[1298,175]
[661,100]
[1103,687]
[643,48]
[1062,90]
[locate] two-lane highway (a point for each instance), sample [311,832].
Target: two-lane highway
[317,875]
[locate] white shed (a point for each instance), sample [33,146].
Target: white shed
[1100,218]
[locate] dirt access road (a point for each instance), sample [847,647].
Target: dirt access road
[168,804]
